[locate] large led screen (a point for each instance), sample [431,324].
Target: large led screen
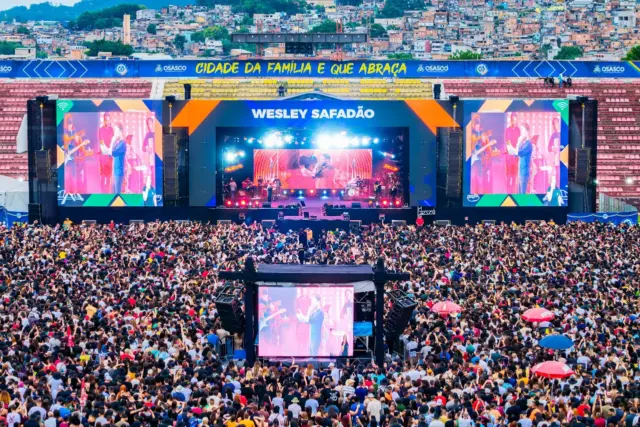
[109,153]
[305,321]
[516,153]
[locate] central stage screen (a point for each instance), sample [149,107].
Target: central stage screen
[312,169]
[305,321]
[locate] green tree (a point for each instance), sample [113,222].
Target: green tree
[258,6]
[327,26]
[633,54]
[105,18]
[246,20]
[59,51]
[152,29]
[465,55]
[197,37]
[8,48]
[569,52]
[216,32]
[179,42]
[400,56]
[41,54]
[396,8]
[23,30]
[116,48]
[377,30]
[544,51]
[320,8]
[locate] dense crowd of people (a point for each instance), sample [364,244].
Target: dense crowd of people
[116,325]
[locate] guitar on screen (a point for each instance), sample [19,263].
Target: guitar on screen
[475,156]
[69,153]
[265,322]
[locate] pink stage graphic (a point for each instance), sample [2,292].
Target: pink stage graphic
[305,321]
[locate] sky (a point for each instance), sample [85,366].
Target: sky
[8,4]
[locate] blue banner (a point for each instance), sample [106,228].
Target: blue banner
[629,218]
[63,69]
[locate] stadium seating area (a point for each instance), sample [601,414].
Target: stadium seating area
[15,94]
[370,89]
[618,126]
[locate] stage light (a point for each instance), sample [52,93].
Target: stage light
[398,203]
[240,153]
[393,156]
[243,202]
[376,140]
[365,140]
[230,156]
[228,202]
[324,192]
[385,203]
[354,141]
[300,192]
[323,141]
[288,139]
[342,192]
[341,140]
[250,140]
[629,180]
[334,191]
[272,140]
[236,204]
[312,191]
[285,192]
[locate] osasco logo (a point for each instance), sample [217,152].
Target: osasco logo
[6,69]
[612,69]
[121,69]
[171,68]
[436,68]
[482,69]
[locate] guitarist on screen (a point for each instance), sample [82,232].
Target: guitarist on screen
[481,159]
[74,155]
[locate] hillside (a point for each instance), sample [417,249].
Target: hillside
[46,11]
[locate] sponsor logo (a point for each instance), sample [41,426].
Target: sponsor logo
[171,68]
[627,222]
[611,69]
[63,105]
[436,69]
[121,69]
[562,105]
[472,198]
[425,212]
[482,69]
[6,69]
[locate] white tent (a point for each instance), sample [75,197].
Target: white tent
[14,200]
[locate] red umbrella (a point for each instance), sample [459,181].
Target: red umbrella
[537,315]
[552,369]
[444,308]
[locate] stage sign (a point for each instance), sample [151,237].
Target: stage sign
[305,321]
[224,134]
[516,153]
[72,69]
[109,153]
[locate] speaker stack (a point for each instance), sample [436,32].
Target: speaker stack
[43,166]
[454,175]
[398,317]
[170,159]
[583,165]
[229,308]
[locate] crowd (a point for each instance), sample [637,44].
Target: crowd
[115,325]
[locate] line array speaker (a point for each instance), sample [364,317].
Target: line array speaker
[170,160]
[583,165]
[454,175]
[35,212]
[398,317]
[229,308]
[43,165]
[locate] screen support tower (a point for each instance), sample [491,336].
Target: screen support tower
[292,273]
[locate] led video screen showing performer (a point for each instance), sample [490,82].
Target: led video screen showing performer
[305,321]
[288,165]
[109,156]
[517,157]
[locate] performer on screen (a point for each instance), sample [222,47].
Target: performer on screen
[554,195]
[315,319]
[324,172]
[118,153]
[149,193]
[105,162]
[523,152]
[481,159]
[148,143]
[511,137]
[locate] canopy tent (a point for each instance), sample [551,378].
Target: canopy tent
[14,200]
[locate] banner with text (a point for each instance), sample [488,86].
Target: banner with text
[62,69]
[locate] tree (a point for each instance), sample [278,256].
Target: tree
[396,8]
[179,42]
[465,55]
[633,54]
[105,18]
[327,26]
[8,48]
[152,29]
[400,56]
[23,30]
[320,8]
[216,32]
[250,7]
[116,48]
[545,51]
[569,53]
[377,30]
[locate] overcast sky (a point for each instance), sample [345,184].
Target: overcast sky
[8,4]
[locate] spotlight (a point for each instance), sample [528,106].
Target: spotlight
[385,203]
[397,203]
[370,203]
[288,139]
[376,140]
[341,140]
[629,180]
[324,141]
[285,192]
[228,202]
[312,191]
[243,202]
[300,192]
[240,153]
[324,192]
[272,140]
[342,192]
[334,191]
[365,140]
[230,157]
[250,140]
[236,204]
[354,141]
[596,182]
